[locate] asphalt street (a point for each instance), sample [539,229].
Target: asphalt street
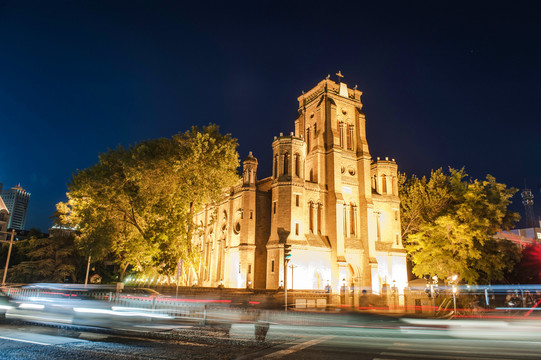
[25,341]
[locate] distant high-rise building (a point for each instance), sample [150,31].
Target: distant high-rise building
[527,201]
[16,201]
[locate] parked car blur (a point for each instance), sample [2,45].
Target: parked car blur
[141,292]
[5,305]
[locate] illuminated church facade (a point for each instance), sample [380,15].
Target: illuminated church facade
[328,198]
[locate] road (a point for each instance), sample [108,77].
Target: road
[410,341]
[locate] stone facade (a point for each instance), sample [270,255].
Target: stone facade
[4,219]
[327,198]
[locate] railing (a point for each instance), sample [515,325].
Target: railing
[193,311]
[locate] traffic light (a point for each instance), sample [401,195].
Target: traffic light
[287,252]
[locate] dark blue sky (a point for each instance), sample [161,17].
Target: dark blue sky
[445,83]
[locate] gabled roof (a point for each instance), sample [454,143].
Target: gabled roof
[3,206]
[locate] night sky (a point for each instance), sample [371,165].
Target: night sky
[444,83]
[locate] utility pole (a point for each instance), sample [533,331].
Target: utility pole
[9,253]
[287,257]
[87,270]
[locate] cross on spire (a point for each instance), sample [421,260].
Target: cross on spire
[340,76]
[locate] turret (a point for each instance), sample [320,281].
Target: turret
[249,170]
[384,177]
[288,158]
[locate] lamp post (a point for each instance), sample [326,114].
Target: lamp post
[453,282]
[87,270]
[10,242]
[431,289]
[287,257]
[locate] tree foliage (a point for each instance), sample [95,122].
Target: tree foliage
[137,203]
[528,271]
[448,223]
[50,259]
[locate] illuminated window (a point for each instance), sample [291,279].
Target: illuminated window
[207,262]
[378,230]
[338,132]
[311,217]
[383,184]
[276,166]
[345,221]
[350,137]
[297,165]
[307,140]
[341,133]
[352,211]
[286,164]
[319,206]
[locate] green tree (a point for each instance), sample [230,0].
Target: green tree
[50,259]
[137,204]
[449,223]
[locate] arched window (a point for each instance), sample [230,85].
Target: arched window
[341,140]
[311,217]
[297,165]
[378,229]
[207,262]
[275,166]
[286,163]
[307,140]
[318,219]
[220,248]
[350,137]
[224,216]
[383,184]
[338,132]
[345,220]
[352,211]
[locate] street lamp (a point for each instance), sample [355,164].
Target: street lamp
[431,289]
[287,257]
[453,281]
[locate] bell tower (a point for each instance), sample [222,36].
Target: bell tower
[342,232]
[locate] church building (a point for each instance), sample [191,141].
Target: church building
[328,201]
